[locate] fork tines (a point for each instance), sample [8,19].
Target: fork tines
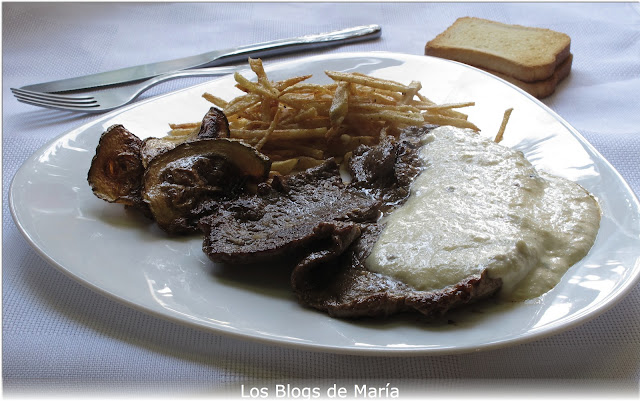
[52,100]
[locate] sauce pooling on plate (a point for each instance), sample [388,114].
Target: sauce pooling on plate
[478,206]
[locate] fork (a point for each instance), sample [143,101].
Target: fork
[109,98]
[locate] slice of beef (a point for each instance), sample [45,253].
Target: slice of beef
[294,216]
[386,171]
[345,288]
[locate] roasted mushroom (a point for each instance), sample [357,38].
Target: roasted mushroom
[187,182]
[116,170]
[214,125]
[181,178]
[152,147]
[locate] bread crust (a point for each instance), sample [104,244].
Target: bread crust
[543,88]
[525,53]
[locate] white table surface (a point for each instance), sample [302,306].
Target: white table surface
[61,339]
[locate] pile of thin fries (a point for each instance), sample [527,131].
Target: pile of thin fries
[300,124]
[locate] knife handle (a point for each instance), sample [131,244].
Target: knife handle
[302,43]
[209,59]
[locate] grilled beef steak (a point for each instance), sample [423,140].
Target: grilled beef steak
[310,211]
[345,288]
[329,227]
[386,171]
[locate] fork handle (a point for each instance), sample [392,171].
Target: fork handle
[213,71]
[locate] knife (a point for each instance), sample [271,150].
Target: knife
[210,59]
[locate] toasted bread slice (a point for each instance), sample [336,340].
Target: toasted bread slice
[545,87]
[524,53]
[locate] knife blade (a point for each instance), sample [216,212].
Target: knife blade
[210,59]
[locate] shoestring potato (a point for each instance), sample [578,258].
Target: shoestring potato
[299,124]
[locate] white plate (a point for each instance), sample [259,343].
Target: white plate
[123,256]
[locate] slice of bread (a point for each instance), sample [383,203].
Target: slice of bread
[524,53]
[545,87]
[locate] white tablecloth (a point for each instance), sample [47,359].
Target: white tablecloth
[60,338]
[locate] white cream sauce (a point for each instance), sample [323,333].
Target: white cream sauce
[479,205]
